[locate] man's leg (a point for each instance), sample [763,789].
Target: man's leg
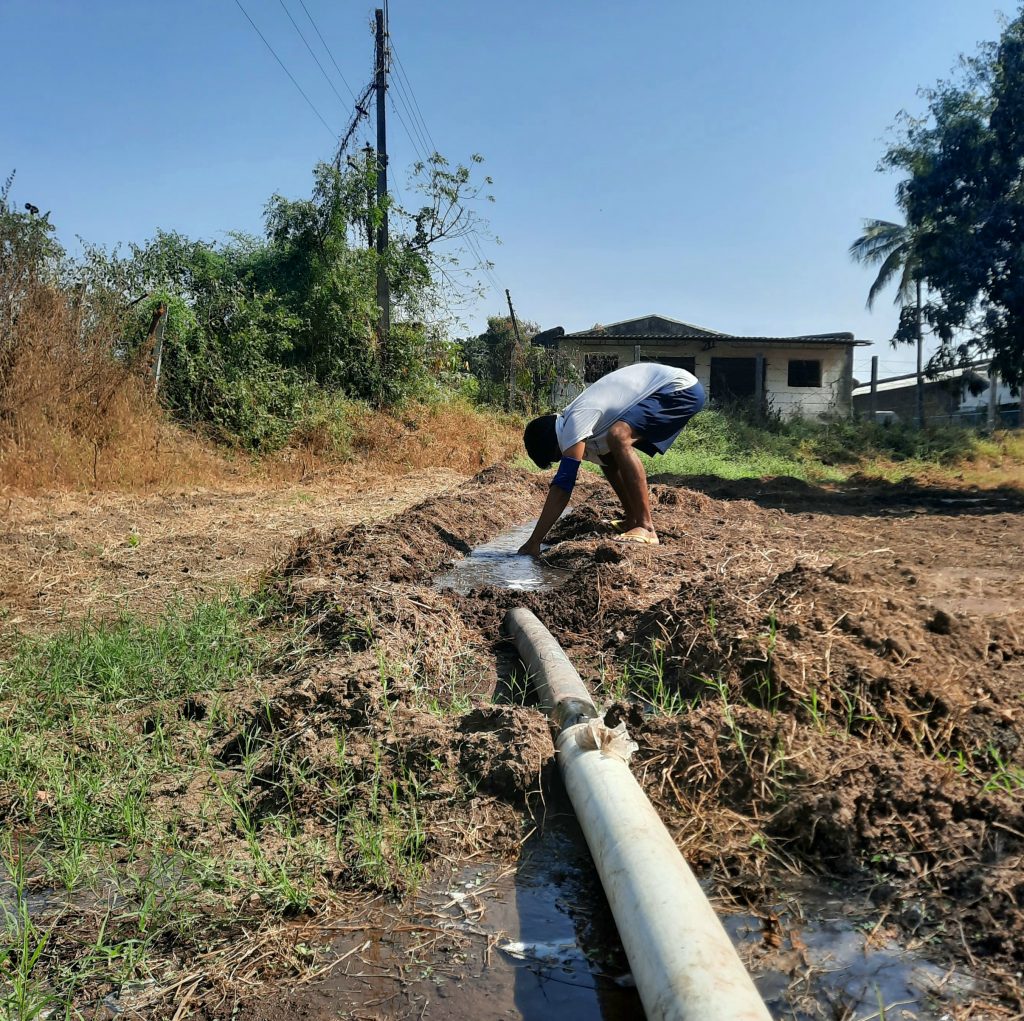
[632,479]
[611,473]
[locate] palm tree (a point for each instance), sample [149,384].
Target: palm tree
[894,246]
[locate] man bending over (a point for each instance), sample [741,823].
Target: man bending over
[641,407]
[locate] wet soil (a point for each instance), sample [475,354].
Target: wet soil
[848,663]
[824,683]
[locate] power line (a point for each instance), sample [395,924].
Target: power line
[412,117]
[327,77]
[402,74]
[474,247]
[407,95]
[328,49]
[408,133]
[284,68]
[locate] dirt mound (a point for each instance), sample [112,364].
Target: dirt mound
[802,701]
[418,542]
[815,708]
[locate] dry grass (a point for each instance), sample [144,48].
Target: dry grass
[77,411]
[74,416]
[68,555]
[456,436]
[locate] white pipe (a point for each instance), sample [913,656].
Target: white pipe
[562,694]
[685,966]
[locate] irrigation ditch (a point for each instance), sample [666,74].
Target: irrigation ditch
[824,685]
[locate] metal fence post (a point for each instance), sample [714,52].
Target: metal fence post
[874,387]
[993,397]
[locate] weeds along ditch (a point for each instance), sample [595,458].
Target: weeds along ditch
[808,696]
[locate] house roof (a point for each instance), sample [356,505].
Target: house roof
[649,325]
[909,381]
[662,328]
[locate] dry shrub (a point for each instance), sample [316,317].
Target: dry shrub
[75,412]
[79,411]
[456,436]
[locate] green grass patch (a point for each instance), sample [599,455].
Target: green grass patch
[732,445]
[154,800]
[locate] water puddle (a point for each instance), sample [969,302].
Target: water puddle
[821,957]
[497,564]
[535,940]
[531,939]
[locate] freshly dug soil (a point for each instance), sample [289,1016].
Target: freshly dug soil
[842,669]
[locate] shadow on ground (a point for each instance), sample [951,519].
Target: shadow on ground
[856,496]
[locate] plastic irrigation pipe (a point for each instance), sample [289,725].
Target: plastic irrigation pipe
[684,964]
[563,695]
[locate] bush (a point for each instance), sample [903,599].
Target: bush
[734,445]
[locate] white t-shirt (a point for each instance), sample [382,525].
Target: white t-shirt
[602,404]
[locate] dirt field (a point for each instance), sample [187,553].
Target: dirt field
[64,556]
[825,683]
[835,675]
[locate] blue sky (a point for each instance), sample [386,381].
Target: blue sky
[707,161]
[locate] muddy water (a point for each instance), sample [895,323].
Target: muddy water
[531,939]
[816,952]
[497,564]
[535,940]
[559,954]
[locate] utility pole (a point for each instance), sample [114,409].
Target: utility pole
[759,395]
[381,84]
[992,418]
[918,319]
[368,162]
[510,394]
[155,341]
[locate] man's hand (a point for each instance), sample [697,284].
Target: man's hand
[554,503]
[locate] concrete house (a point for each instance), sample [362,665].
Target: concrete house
[805,377]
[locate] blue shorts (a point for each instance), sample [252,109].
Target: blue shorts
[661,417]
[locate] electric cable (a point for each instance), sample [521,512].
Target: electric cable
[485,265]
[426,146]
[285,69]
[405,126]
[402,74]
[327,77]
[328,49]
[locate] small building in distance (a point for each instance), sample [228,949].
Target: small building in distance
[806,376]
[958,396]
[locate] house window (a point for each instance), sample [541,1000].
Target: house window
[677,362]
[804,373]
[734,379]
[596,366]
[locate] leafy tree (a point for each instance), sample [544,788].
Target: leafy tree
[257,325]
[964,201]
[893,248]
[514,375]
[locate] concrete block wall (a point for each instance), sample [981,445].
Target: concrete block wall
[791,402]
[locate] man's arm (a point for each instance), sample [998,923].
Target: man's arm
[556,502]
